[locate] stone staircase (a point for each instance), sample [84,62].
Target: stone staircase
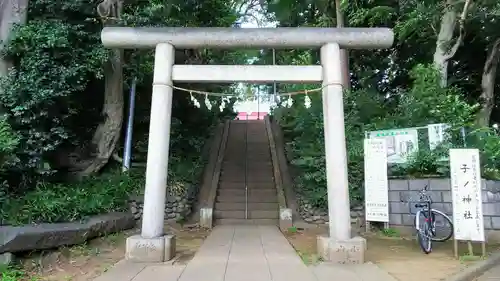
[247,163]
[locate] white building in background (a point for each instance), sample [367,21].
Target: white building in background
[252,109]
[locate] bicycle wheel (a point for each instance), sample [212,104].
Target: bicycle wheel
[424,238]
[442,227]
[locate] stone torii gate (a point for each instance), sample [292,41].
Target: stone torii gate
[152,245]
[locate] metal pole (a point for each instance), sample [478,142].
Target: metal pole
[246,168]
[127,153]
[258,103]
[464,136]
[274,84]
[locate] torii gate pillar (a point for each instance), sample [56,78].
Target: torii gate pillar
[152,245]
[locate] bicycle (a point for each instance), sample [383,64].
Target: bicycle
[428,232]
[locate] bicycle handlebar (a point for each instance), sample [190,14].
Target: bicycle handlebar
[423,196]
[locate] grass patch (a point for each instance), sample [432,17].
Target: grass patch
[390,232]
[9,273]
[292,229]
[309,259]
[470,258]
[52,203]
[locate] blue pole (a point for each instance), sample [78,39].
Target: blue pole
[127,153]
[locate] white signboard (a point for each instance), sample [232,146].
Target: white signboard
[376,183]
[466,194]
[400,143]
[437,134]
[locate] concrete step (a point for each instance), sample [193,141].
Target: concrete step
[258,149]
[250,160]
[247,222]
[264,173]
[224,206]
[251,192]
[250,185]
[250,177]
[240,175]
[252,214]
[242,166]
[250,199]
[254,176]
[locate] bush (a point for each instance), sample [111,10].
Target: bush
[8,142]
[53,203]
[109,192]
[42,97]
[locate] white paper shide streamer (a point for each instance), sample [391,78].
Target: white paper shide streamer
[208,104]
[307,101]
[196,103]
[289,101]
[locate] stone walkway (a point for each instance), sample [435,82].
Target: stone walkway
[244,253]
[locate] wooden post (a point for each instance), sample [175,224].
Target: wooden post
[470,248]
[455,248]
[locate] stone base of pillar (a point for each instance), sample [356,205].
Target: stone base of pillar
[285,219]
[150,250]
[350,251]
[206,217]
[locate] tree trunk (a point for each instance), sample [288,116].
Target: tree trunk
[344,55]
[443,52]
[487,98]
[108,132]
[11,12]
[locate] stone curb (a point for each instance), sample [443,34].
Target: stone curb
[24,238]
[476,270]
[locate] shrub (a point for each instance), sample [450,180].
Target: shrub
[53,203]
[109,192]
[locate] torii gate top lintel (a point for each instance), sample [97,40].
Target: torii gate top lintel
[227,37]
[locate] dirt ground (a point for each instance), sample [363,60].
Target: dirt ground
[399,256]
[85,262]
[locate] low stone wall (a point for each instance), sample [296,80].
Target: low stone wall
[316,216]
[178,205]
[401,191]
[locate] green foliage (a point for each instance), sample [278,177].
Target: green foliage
[390,232]
[424,103]
[14,274]
[56,62]
[72,202]
[488,142]
[427,102]
[8,142]
[425,163]
[103,193]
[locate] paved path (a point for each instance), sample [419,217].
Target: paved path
[491,275]
[244,253]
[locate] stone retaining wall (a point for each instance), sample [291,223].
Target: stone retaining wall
[316,216]
[401,212]
[177,207]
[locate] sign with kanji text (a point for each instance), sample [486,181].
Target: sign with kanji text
[437,134]
[376,182]
[400,143]
[466,195]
